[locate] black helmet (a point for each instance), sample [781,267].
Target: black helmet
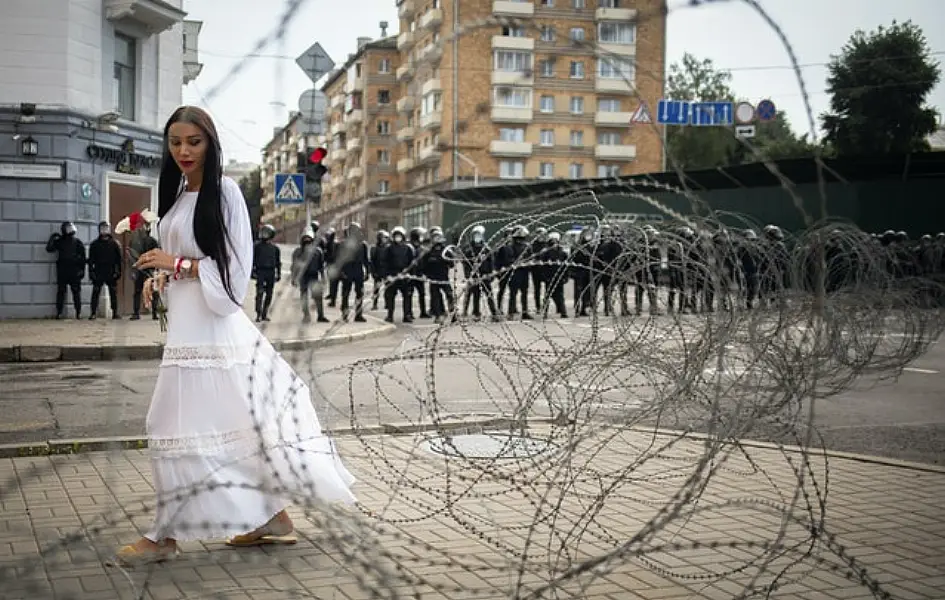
[267,232]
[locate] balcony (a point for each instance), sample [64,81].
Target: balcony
[513,9]
[354,173]
[337,101]
[405,164]
[431,19]
[503,148]
[618,49]
[338,155]
[615,14]
[506,42]
[355,85]
[512,78]
[154,16]
[353,145]
[354,117]
[432,52]
[406,8]
[431,120]
[405,40]
[429,154]
[511,114]
[431,85]
[613,85]
[606,152]
[405,133]
[405,104]
[612,119]
[336,128]
[405,72]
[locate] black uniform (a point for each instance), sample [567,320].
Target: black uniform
[70,267]
[397,257]
[267,270]
[554,272]
[329,247]
[377,270]
[308,272]
[478,265]
[142,242]
[516,252]
[353,272]
[581,273]
[435,266]
[104,269]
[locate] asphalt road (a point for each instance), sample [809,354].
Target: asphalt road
[392,379]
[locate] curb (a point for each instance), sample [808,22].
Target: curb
[82,445]
[45,354]
[851,456]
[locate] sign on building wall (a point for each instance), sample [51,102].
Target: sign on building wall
[126,159]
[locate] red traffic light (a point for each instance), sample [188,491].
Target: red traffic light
[317,155]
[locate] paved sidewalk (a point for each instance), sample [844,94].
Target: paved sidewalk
[468,528]
[46,340]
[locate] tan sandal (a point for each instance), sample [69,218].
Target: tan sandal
[266,539]
[130,557]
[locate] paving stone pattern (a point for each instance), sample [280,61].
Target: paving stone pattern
[463,528]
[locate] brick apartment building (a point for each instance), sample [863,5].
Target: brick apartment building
[548,96]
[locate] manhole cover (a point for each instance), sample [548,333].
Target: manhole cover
[488,445]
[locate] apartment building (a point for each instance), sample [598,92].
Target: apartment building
[83,102]
[362,98]
[281,155]
[549,95]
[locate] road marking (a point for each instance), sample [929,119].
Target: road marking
[918,370]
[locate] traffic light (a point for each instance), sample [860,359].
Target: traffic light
[314,170]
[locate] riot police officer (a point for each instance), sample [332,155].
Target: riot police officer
[104,269]
[70,267]
[267,270]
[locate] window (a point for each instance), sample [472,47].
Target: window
[383,157]
[430,103]
[546,170]
[608,105]
[546,68]
[608,170]
[513,97]
[125,68]
[513,31]
[383,96]
[577,70]
[383,66]
[513,61]
[610,32]
[511,169]
[417,216]
[547,2]
[547,33]
[577,105]
[546,137]
[575,171]
[383,128]
[577,138]
[383,186]
[578,3]
[615,68]
[576,34]
[353,102]
[608,3]
[608,138]
[547,104]
[512,134]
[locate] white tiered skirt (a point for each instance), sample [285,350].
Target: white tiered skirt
[233,435]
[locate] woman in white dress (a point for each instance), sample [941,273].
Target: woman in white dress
[233,436]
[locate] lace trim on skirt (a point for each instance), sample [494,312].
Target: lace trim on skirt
[227,442]
[207,357]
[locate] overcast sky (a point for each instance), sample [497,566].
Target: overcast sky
[247,106]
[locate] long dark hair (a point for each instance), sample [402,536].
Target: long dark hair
[210,230]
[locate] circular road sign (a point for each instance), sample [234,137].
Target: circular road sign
[766,110]
[744,113]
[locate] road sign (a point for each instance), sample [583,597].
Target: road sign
[745,131]
[672,112]
[712,114]
[315,62]
[744,113]
[766,110]
[312,105]
[641,114]
[290,188]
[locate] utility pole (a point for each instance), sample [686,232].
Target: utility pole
[455,83]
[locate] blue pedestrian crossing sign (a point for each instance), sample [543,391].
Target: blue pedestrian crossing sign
[290,188]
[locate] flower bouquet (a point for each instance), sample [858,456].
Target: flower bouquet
[154,286]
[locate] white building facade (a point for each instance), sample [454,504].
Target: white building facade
[85,89]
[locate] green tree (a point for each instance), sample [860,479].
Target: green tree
[251,186]
[698,147]
[878,86]
[710,147]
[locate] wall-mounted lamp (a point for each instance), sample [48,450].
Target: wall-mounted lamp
[29,146]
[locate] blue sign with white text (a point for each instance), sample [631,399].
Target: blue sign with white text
[290,188]
[713,114]
[672,112]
